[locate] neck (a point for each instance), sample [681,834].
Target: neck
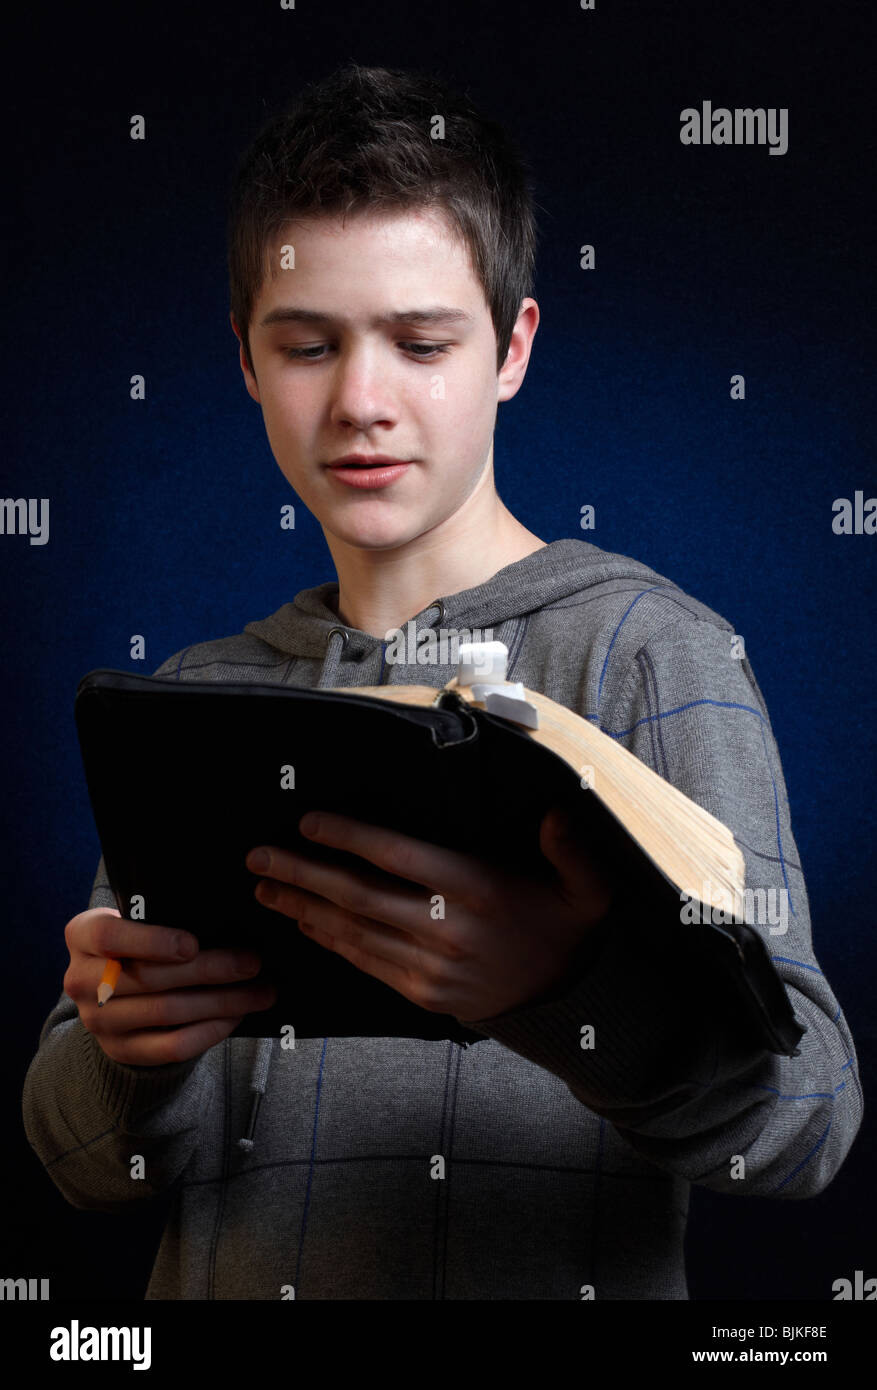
[381,589]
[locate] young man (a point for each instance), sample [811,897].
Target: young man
[380,285]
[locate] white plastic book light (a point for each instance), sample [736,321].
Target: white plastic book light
[483,666]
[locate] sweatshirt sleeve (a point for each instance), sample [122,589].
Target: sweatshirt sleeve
[673,1067]
[86,1116]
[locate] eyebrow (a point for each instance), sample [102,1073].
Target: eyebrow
[438,313]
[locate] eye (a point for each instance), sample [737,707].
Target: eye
[303,352]
[429,348]
[418,350]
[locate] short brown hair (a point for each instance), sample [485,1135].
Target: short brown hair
[360,140]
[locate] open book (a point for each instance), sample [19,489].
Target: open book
[696,852]
[186,777]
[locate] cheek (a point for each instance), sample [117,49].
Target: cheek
[287,415]
[472,425]
[466,409]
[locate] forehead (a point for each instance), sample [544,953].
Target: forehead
[411,251]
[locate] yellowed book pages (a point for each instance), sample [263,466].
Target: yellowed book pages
[688,844]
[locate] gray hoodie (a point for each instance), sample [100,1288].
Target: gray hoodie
[524,1166]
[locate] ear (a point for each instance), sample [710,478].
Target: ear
[249,379]
[514,368]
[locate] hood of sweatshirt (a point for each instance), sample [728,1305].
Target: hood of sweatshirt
[309,626]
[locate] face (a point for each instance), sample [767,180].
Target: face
[339,371]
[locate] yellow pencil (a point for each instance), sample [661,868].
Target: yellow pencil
[108,981]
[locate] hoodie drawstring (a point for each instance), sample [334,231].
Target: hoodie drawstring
[336,640]
[258,1084]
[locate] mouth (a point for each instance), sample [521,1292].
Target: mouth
[368,471]
[364,460]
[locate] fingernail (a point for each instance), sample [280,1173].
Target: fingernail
[258,860]
[185,946]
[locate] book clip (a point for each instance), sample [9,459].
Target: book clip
[482,666]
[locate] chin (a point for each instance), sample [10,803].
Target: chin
[386,540]
[376,535]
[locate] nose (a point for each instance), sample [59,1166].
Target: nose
[361,390]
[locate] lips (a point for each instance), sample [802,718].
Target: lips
[366,461]
[368,472]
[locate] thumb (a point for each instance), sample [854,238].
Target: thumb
[565,847]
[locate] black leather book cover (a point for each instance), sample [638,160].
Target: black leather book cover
[186,777]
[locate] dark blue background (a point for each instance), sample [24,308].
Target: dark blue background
[710,262]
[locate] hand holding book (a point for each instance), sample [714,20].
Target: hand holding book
[197,773]
[451,932]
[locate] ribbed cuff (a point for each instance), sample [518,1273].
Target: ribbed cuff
[124,1090]
[640,1004]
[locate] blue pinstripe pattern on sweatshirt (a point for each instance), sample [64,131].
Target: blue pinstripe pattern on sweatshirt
[806,1159]
[617,734]
[624,617]
[721,704]
[304,1215]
